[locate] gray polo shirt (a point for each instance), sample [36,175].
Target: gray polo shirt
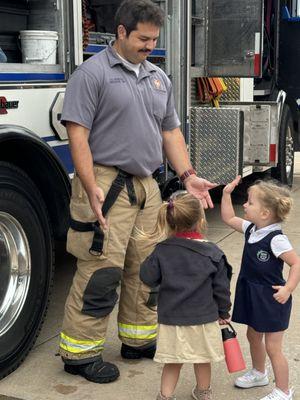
[125,114]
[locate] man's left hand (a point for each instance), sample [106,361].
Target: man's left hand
[199,188]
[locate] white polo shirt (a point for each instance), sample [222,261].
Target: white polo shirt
[279,244]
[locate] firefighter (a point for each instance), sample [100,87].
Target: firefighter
[119,113]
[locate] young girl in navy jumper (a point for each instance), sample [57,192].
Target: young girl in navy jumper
[263,298]
[194,295]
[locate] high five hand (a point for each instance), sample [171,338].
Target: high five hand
[199,188]
[232,185]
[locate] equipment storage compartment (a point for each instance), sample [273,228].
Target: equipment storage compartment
[13,17]
[227,38]
[33,39]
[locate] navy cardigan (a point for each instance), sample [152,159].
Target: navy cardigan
[193,278]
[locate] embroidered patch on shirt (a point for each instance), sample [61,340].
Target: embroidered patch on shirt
[263,256]
[158,84]
[117,80]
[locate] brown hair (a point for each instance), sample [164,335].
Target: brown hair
[131,12]
[275,197]
[183,212]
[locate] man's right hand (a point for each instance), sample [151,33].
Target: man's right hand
[96,199]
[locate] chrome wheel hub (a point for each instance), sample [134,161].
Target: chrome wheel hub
[15,270]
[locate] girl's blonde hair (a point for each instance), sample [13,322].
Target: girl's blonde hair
[275,197]
[183,212]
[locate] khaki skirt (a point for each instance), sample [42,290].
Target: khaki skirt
[189,344]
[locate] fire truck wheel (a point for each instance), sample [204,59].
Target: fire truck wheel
[284,171]
[26,265]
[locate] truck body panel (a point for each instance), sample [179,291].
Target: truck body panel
[253,126]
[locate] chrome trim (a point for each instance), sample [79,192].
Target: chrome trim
[289,152]
[15,270]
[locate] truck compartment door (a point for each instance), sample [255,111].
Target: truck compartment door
[228,37]
[215,143]
[222,141]
[261,122]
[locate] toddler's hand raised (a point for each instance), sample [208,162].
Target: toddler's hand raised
[282,295]
[232,185]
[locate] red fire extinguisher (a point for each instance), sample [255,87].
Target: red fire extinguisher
[233,355]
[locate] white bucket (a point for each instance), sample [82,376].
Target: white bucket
[39,47]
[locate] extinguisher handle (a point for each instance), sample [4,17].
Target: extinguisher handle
[232,328]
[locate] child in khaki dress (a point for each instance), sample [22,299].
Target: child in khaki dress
[194,295]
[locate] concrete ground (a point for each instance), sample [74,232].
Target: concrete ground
[41,376]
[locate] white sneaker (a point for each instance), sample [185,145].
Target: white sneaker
[278,394]
[251,379]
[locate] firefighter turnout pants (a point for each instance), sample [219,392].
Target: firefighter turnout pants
[93,293]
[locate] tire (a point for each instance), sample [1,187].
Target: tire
[26,265]
[284,172]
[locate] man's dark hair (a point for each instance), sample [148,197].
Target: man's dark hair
[131,12]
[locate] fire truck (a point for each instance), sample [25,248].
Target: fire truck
[253,127]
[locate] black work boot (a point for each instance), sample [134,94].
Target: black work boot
[96,371]
[134,353]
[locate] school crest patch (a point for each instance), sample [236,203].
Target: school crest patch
[263,256]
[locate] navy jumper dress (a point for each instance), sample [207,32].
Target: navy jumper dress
[254,303]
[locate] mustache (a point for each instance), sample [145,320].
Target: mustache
[145,51]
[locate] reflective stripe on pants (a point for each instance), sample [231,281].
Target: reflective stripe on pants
[147,332]
[72,345]
[120,250]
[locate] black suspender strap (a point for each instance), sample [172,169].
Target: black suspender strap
[97,244]
[131,192]
[122,179]
[115,189]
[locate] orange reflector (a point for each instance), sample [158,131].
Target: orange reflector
[272,152]
[257,63]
